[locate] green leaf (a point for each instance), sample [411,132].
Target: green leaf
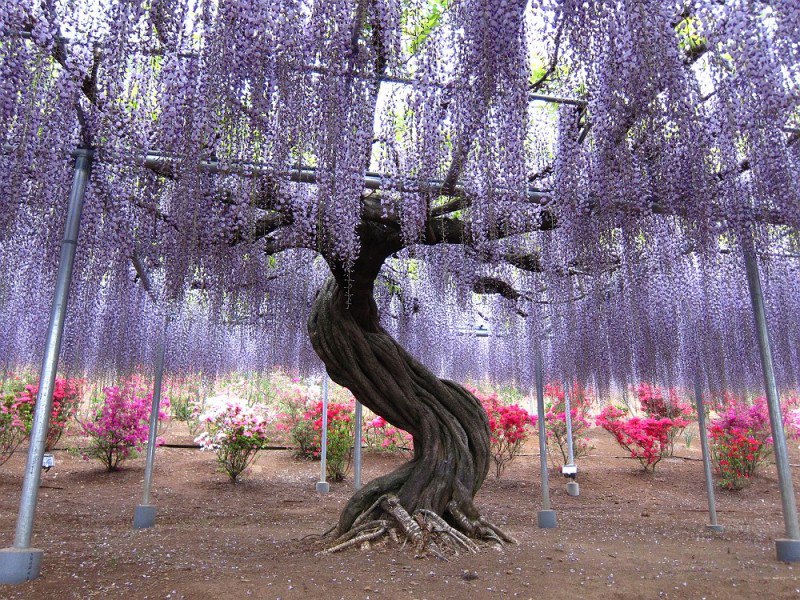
[420,29]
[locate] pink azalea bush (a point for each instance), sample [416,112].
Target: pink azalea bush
[118,426]
[235,432]
[381,436]
[656,405]
[647,439]
[741,438]
[555,419]
[509,427]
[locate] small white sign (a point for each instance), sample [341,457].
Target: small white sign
[48,461]
[569,470]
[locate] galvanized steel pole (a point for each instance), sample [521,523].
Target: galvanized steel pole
[570,469]
[546,517]
[145,514]
[787,549]
[322,485]
[701,422]
[568,417]
[21,562]
[357,446]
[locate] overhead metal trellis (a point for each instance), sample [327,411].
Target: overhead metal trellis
[532,97]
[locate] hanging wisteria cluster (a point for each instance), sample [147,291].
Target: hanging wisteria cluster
[577,175]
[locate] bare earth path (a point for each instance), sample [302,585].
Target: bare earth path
[628,535]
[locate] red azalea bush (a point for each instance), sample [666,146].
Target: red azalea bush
[66,398]
[741,439]
[656,405]
[300,422]
[508,426]
[647,439]
[555,419]
[341,431]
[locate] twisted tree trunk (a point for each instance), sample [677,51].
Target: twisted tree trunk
[449,426]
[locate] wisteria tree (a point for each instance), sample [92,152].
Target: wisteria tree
[590,166]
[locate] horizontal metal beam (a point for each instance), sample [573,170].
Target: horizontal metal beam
[383,78]
[158,161]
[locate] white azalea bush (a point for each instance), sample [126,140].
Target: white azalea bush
[235,431]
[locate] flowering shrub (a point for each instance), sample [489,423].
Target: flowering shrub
[647,439]
[183,392]
[66,397]
[235,432]
[295,401]
[791,418]
[301,418]
[741,439]
[14,417]
[508,429]
[656,406]
[555,419]
[379,435]
[118,426]
[340,436]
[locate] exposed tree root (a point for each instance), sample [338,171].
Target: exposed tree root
[428,532]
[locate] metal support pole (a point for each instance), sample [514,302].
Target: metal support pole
[21,562]
[787,549]
[701,422]
[323,486]
[359,434]
[546,517]
[568,417]
[145,515]
[570,469]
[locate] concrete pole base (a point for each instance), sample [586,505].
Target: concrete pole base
[547,519]
[573,489]
[323,487]
[18,565]
[144,517]
[788,550]
[715,528]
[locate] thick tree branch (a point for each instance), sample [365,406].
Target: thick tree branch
[495,285]
[457,203]
[448,230]
[531,261]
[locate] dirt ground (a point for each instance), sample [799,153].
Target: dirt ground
[628,534]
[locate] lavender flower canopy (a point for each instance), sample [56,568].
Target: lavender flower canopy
[595,166]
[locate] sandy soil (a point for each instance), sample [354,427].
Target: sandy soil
[628,535]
